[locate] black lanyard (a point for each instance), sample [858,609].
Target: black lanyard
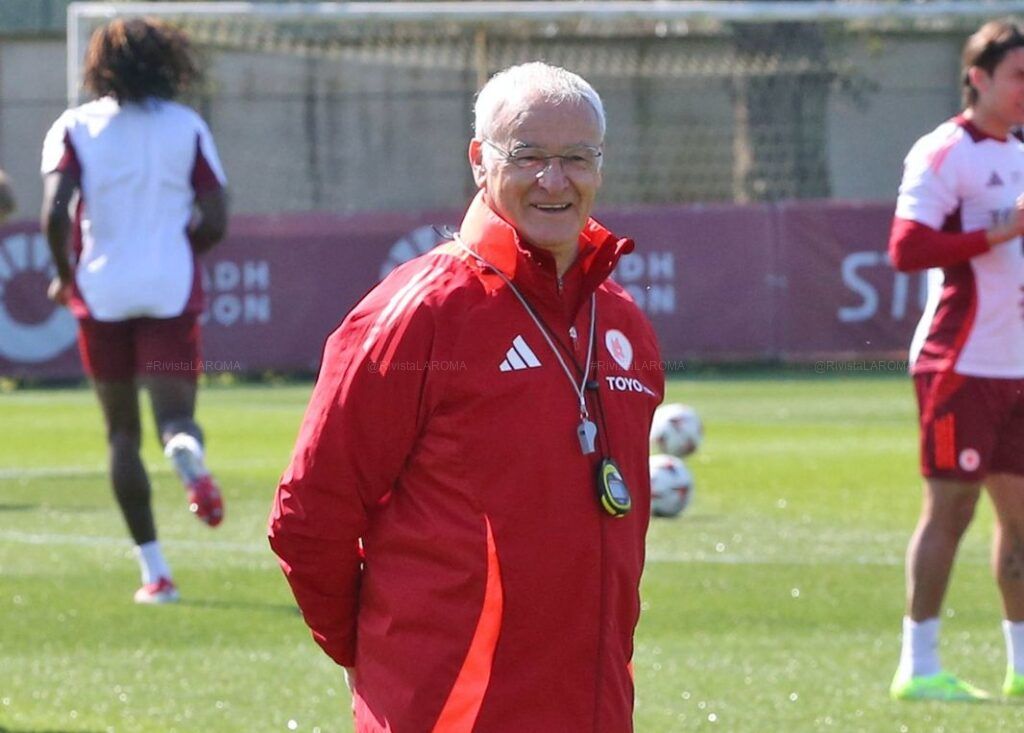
[612,493]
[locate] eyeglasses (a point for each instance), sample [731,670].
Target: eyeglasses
[577,159]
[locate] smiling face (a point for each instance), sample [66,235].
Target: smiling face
[1000,102]
[548,205]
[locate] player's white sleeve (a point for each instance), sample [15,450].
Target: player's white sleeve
[929,190]
[54,145]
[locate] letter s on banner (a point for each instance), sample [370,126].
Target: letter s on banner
[868,306]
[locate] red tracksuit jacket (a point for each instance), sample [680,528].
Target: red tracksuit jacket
[492,592]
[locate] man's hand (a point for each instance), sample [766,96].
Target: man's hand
[209,222]
[1012,228]
[59,291]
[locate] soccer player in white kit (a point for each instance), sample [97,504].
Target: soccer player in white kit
[147,188]
[960,215]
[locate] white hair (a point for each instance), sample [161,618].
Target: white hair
[536,78]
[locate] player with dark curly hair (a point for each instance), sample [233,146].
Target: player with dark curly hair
[141,175]
[133,60]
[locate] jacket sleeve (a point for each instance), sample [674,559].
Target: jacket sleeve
[359,428]
[915,246]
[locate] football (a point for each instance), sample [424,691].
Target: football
[671,485]
[676,430]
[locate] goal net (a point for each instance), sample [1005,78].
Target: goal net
[367,106]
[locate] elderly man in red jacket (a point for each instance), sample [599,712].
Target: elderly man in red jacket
[463,519]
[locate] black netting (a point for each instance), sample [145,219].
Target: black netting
[321,114]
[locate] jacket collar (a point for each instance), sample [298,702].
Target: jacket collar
[498,242]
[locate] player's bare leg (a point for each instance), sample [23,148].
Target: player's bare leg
[174,406]
[1007,492]
[174,401]
[946,512]
[120,404]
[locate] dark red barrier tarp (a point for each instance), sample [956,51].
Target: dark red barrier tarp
[795,281]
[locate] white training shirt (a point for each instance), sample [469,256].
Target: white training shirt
[140,166]
[957,178]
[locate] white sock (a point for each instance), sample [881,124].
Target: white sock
[152,562]
[920,653]
[186,454]
[1013,632]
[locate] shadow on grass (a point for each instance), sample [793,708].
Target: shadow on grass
[62,508]
[285,608]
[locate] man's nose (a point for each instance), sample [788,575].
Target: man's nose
[552,175]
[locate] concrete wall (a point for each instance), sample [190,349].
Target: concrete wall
[902,87]
[343,134]
[32,95]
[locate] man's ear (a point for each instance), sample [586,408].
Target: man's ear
[979,78]
[476,161]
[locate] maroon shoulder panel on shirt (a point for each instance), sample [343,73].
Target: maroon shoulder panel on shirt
[204,180]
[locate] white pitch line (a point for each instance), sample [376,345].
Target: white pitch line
[54,538]
[258,548]
[726,559]
[14,474]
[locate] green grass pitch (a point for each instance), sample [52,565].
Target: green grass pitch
[773,605]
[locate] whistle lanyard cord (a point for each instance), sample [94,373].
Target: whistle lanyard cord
[579,389]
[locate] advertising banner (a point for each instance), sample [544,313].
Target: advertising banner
[795,281]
